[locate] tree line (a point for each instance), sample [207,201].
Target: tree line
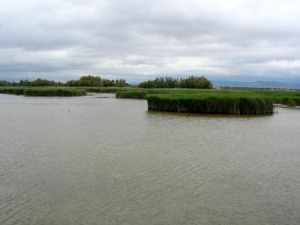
[97,81]
[84,81]
[169,82]
[34,83]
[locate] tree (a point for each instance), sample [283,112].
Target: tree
[95,81]
[195,82]
[5,83]
[121,83]
[169,82]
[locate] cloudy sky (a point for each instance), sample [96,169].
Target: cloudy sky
[243,40]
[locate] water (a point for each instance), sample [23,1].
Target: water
[101,160]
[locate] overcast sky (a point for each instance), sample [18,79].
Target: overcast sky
[142,39]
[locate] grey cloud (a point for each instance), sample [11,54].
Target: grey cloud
[141,38]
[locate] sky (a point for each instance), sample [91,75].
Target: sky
[137,40]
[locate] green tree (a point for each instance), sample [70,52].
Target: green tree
[5,83]
[195,82]
[95,81]
[169,82]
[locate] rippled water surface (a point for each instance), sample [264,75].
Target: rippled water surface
[101,160]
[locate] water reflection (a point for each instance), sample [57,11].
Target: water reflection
[195,115]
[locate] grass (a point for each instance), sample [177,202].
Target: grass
[203,101]
[291,98]
[137,93]
[211,103]
[12,90]
[43,91]
[141,93]
[54,92]
[104,89]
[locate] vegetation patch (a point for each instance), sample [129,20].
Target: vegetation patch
[54,92]
[103,89]
[210,103]
[26,91]
[12,90]
[169,82]
[96,81]
[290,98]
[138,93]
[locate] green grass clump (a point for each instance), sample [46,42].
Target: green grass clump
[291,103]
[290,98]
[12,90]
[140,93]
[103,89]
[54,92]
[136,94]
[210,103]
[43,91]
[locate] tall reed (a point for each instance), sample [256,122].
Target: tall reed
[54,92]
[43,91]
[209,103]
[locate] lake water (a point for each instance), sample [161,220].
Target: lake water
[101,160]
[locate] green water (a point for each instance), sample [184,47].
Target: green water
[100,160]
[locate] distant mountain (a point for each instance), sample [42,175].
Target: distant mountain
[274,84]
[256,84]
[226,83]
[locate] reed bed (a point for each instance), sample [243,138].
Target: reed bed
[54,92]
[140,93]
[210,103]
[136,93]
[103,89]
[12,90]
[43,91]
[290,98]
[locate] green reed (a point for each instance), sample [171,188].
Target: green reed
[211,103]
[43,91]
[291,98]
[54,92]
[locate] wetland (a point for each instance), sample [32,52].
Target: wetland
[97,159]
